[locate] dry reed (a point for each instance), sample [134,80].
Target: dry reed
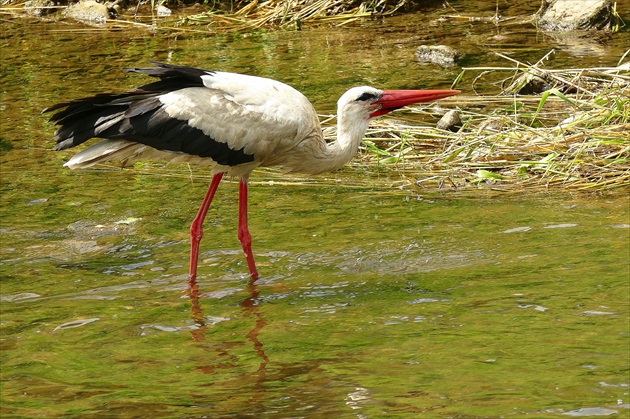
[294,13]
[575,135]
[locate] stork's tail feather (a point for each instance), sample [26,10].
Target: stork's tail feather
[121,150]
[95,116]
[104,115]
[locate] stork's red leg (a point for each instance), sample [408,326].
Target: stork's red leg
[243,230]
[196,228]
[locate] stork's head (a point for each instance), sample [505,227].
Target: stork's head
[366,102]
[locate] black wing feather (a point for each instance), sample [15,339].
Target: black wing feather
[163,70]
[138,116]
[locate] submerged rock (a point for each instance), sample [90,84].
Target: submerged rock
[163,11]
[451,121]
[568,15]
[530,84]
[88,11]
[441,55]
[39,7]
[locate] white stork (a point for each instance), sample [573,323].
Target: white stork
[231,122]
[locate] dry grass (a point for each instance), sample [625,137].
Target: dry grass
[252,15]
[576,135]
[294,13]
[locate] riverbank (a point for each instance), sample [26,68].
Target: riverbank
[522,126]
[574,135]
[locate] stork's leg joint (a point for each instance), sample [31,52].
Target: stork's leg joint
[196,232]
[245,237]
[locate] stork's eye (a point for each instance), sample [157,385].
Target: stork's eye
[367,97]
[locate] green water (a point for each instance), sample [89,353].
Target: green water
[372,302]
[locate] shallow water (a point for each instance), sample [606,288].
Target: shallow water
[463,307]
[372,302]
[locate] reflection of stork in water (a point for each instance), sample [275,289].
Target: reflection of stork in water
[250,308]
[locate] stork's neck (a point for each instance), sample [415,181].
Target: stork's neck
[314,156]
[350,132]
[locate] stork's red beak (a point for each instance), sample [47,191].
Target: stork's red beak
[394,99]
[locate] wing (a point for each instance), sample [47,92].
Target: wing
[229,118]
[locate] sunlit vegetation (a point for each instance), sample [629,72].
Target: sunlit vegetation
[575,134]
[226,16]
[540,128]
[294,13]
